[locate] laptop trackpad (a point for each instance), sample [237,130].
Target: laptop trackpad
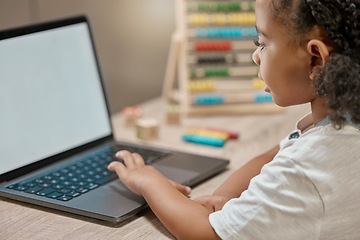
[176,174]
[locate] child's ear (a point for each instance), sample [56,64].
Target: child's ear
[320,54]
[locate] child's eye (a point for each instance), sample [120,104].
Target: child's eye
[258,44]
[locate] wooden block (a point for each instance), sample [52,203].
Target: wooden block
[147,129]
[132,114]
[173,115]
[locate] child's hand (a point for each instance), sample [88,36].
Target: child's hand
[136,175]
[213,202]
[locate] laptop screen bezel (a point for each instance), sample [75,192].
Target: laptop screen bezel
[21,31]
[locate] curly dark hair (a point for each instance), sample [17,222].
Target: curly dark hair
[339,80]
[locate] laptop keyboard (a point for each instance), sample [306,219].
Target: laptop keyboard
[81,176]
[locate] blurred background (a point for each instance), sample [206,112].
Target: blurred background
[132,39]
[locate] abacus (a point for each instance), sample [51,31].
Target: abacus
[211,51]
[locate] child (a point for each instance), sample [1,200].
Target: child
[309,188]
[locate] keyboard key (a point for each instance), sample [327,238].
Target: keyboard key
[45,192]
[18,187]
[73,187]
[106,179]
[44,185]
[82,190]
[29,184]
[47,177]
[73,194]
[64,198]
[58,186]
[82,183]
[64,190]
[14,186]
[34,190]
[91,186]
[67,183]
[54,195]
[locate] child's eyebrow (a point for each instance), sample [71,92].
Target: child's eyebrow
[260,32]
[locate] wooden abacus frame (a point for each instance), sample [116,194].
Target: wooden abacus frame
[220,27]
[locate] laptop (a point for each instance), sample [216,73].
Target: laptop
[56,137]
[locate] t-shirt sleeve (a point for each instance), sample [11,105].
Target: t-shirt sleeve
[281,203]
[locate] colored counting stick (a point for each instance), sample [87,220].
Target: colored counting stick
[204,140]
[208,136]
[232,135]
[213,132]
[208,133]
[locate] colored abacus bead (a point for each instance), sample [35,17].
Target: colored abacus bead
[244,19]
[226,32]
[262,97]
[228,58]
[207,99]
[202,85]
[258,83]
[216,72]
[213,46]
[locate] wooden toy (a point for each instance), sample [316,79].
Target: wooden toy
[173,115]
[211,52]
[147,129]
[131,114]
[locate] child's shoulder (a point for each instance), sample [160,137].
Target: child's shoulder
[324,153]
[323,138]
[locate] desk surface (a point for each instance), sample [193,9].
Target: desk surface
[257,134]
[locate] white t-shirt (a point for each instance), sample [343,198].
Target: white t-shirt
[310,190]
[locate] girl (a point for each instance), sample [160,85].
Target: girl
[309,185]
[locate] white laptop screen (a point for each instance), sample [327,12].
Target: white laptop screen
[51,98]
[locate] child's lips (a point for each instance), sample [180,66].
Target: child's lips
[266,88]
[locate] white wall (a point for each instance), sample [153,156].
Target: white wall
[132,38]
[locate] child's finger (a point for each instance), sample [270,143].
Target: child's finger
[138,159]
[186,190]
[127,157]
[118,167]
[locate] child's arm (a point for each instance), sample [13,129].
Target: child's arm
[184,218]
[237,182]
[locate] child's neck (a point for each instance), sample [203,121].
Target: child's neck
[319,110]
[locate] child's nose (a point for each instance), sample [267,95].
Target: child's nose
[255,57]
